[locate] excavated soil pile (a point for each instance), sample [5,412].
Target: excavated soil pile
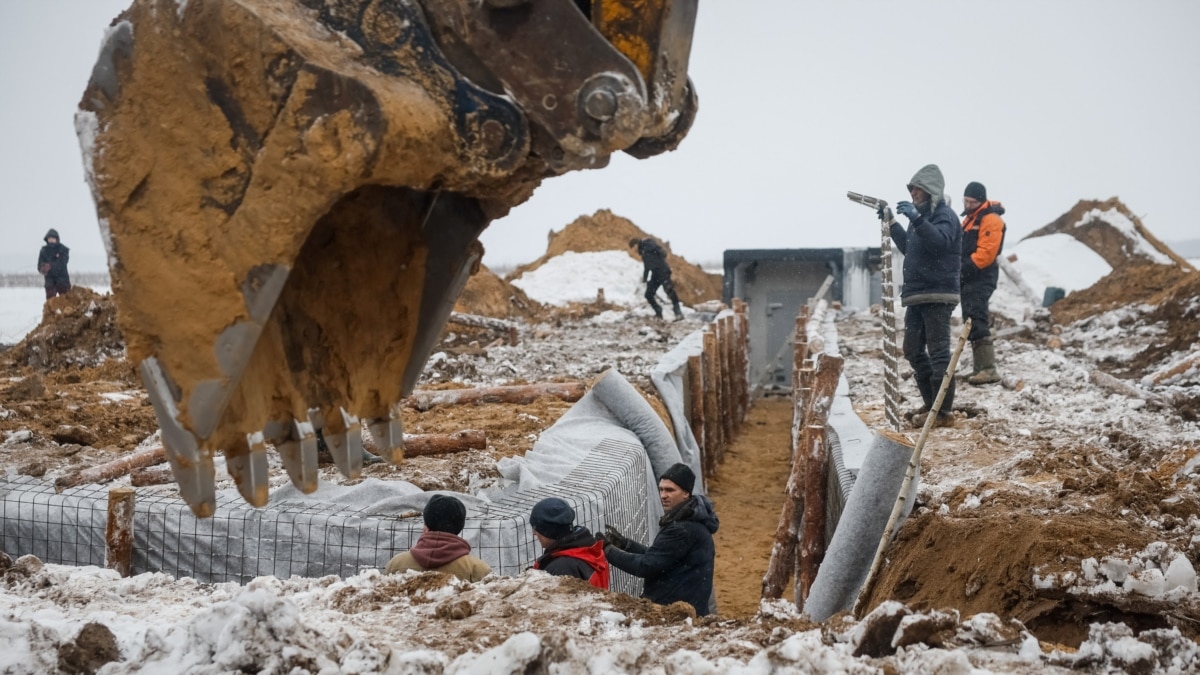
[78,330]
[1106,238]
[605,231]
[981,562]
[1167,294]
[487,294]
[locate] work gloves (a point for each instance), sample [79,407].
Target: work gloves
[908,210]
[613,536]
[885,218]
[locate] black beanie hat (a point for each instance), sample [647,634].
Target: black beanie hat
[445,514]
[552,517]
[680,475]
[976,191]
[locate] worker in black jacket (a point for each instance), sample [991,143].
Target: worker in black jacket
[656,273]
[52,264]
[679,564]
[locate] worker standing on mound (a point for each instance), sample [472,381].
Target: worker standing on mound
[655,273]
[983,239]
[52,264]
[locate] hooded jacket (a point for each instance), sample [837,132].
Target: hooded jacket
[679,564]
[441,552]
[654,260]
[579,555]
[983,240]
[52,259]
[932,245]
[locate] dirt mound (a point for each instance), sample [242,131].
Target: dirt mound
[1117,246]
[489,295]
[78,330]
[1134,283]
[605,231]
[986,563]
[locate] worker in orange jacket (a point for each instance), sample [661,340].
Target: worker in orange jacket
[983,238]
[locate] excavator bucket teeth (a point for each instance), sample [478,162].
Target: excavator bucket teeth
[299,455]
[389,438]
[191,464]
[250,470]
[320,155]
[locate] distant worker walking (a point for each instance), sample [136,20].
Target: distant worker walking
[983,239]
[655,273]
[52,264]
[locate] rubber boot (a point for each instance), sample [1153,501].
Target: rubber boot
[944,417]
[984,353]
[678,311]
[926,401]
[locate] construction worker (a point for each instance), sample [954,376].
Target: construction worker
[932,246]
[983,239]
[570,550]
[655,273]
[52,264]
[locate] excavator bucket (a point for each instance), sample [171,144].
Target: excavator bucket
[292,191]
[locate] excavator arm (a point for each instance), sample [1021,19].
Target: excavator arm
[292,191]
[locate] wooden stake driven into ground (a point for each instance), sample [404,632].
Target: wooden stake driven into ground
[118,534]
[784,553]
[520,393]
[114,469]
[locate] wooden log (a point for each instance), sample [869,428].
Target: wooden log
[824,384]
[695,408]
[724,340]
[154,475]
[507,328]
[114,469]
[118,535]
[1165,373]
[521,393]
[741,351]
[417,445]
[782,562]
[784,555]
[712,374]
[812,540]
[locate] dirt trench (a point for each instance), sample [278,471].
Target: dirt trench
[748,494]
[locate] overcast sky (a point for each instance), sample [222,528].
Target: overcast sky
[1044,101]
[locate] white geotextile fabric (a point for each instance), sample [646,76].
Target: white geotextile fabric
[852,550]
[668,377]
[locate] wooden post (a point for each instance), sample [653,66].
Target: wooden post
[783,553]
[712,412]
[151,475]
[724,340]
[784,557]
[118,535]
[812,543]
[695,409]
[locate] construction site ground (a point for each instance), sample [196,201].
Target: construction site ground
[1048,493]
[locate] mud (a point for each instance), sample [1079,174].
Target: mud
[92,648]
[487,294]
